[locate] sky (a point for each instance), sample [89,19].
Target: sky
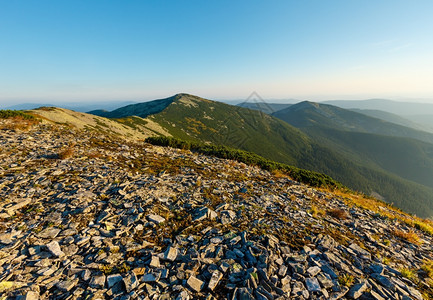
[101,50]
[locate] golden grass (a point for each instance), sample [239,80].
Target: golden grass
[428,268]
[66,153]
[408,273]
[279,174]
[346,280]
[316,211]
[338,213]
[383,209]
[410,236]
[19,123]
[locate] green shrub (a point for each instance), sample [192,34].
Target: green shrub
[7,114]
[311,178]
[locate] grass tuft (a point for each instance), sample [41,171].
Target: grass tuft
[311,178]
[427,267]
[408,273]
[338,213]
[67,153]
[410,236]
[346,280]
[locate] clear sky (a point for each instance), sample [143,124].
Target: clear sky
[137,50]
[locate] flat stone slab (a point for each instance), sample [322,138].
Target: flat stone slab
[155,218]
[195,283]
[55,249]
[312,284]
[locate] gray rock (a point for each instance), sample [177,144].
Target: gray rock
[183,295]
[312,284]
[414,293]
[67,285]
[313,271]
[243,294]
[377,268]
[154,262]
[362,252]
[195,284]
[49,233]
[148,277]
[31,295]
[98,282]
[340,294]
[376,296]
[171,253]
[205,213]
[325,280]
[55,249]
[328,270]
[130,281]
[384,281]
[155,218]
[17,205]
[282,271]
[356,291]
[113,279]
[215,279]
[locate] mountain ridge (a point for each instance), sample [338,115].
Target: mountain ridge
[306,114]
[213,122]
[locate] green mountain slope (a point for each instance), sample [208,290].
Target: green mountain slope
[140,109]
[196,119]
[267,108]
[426,120]
[309,114]
[395,107]
[408,158]
[393,118]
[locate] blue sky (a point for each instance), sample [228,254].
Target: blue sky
[137,50]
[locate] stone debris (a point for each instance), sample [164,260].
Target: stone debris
[156,219]
[54,248]
[127,220]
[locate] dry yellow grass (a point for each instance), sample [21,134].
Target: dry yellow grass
[410,236]
[338,213]
[279,174]
[19,123]
[384,209]
[316,211]
[67,153]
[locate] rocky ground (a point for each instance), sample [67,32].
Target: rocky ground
[86,216]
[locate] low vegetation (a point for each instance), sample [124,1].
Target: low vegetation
[427,267]
[409,274]
[338,213]
[410,236]
[316,211]
[17,119]
[8,114]
[66,153]
[346,280]
[311,178]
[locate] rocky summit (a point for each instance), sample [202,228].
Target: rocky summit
[89,216]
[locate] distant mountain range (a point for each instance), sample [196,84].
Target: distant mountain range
[81,107]
[309,114]
[395,107]
[400,150]
[365,153]
[393,118]
[268,108]
[420,113]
